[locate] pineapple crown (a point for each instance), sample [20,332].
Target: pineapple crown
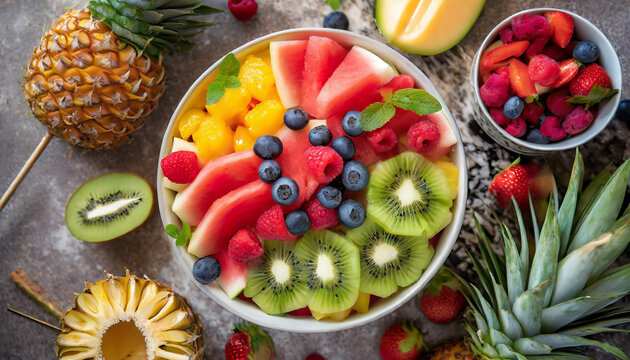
[544,308]
[153,27]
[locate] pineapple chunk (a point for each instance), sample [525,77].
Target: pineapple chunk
[363,303]
[265,118]
[189,122]
[452,175]
[337,316]
[257,77]
[233,102]
[242,139]
[171,185]
[214,138]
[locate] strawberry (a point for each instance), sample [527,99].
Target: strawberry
[522,85]
[442,301]
[402,342]
[249,342]
[561,26]
[512,182]
[495,58]
[315,356]
[587,78]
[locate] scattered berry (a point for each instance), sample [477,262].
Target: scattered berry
[268,147]
[329,197]
[323,162]
[586,52]
[298,222]
[442,301]
[206,269]
[344,146]
[532,112]
[513,107]
[350,124]
[587,78]
[623,111]
[271,226]
[355,176]
[554,51]
[534,136]
[285,191]
[314,356]
[530,27]
[402,342]
[577,121]
[238,347]
[269,171]
[561,26]
[511,182]
[557,104]
[321,217]
[296,119]
[351,214]
[249,342]
[543,70]
[336,20]
[180,167]
[516,127]
[551,128]
[496,91]
[320,136]
[423,136]
[382,139]
[498,117]
[506,35]
[243,10]
[536,47]
[245,246]
[305,311]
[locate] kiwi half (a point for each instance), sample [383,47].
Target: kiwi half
[387,260]
[277,285]
[408,195]
[108,207]
[331,270]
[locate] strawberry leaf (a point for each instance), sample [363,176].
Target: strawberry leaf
[596,95]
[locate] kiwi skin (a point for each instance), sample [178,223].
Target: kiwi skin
[76,204]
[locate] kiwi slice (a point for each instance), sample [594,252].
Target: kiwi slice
[408,195]
[387,260]
[331,270]
[108,207]
[277,285]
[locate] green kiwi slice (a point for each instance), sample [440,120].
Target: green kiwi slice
[277,284]
[331,270]
[387,260]
[108,207]
[408,195]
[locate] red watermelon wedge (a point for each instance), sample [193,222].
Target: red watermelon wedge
[233,278]
[287,63]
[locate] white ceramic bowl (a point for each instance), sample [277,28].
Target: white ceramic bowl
[584,30]
[250,311]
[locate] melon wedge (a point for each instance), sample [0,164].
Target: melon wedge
[287,63]
[360,72]
[233,278]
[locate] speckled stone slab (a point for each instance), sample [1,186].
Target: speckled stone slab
[33,235]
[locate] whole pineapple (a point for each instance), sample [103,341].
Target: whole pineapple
[545,308]
[97,72]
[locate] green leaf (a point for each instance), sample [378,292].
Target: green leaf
[232,82]
[545,262]
[528,307]
[558,341]
[229,66]
[569,203]
[596,95]
[335,4]
[227,77]
[172,230]
[376,115]
[215,93]
[588,193]
[559,315]
[181,239]
[416,100]
[186,229]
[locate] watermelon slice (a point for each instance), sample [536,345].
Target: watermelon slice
[216,179]
[287,63]
[233,278]
[323,56]
[447,136]
[360,72]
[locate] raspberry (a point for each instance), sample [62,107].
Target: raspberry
[382,139]
[323,162]
[271,226]
[536,47]
[531,113]
[503,71]
[423,136]
[496,91]
[531,27]
[543,70]
[499,117]
[435,239]
[557,104]
[506,35]
[551,128]
[554,51]
[243,10]
[180,167]
[516,127]
[321,218]
[577,121]
[245,246]
[305,311]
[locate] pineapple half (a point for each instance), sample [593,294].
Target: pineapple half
[98,72]
[545,308]
[130,318]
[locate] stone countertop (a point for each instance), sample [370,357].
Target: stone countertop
[33,235]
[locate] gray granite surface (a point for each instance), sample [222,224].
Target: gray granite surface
[33,235]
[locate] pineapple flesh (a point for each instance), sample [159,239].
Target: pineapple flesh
[546,307]
[130,318]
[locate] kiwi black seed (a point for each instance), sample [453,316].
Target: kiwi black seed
[408,195]
[331,270]
[387,260]
[109,206]
[277,285]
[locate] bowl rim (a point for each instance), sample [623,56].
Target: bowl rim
[565,144]
[385,306]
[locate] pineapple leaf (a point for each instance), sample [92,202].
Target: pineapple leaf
[497,337]
[515,275]
[560,356]
[559,341]
[546,257]
[524,241]
[617,281]
[534,220]
[569,203]
[510,325]
[528,307]
[481,271]
[527,346]
[559,315]
[506,351]
[489,256]
[597,327]
[620,238]
[488,311]
[588,193]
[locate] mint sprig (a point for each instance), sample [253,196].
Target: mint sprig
[417,100]
[227,77]
[594,96]
[182,237]
[335,4]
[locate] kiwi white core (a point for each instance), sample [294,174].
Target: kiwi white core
[325,269]
[384,253]
[281,271]
[111,208]
[407,193]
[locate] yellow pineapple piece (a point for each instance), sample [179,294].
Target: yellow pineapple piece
[452,174]
[337,316]
[213,138]
[265,118]
[189,122]
[242,139]
[233,102]
[257,77]
[363,303]
[319,316]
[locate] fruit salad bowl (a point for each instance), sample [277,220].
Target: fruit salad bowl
[608,60]
[382,307]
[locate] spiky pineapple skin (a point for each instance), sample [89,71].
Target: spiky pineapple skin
[88,87]
[452,350]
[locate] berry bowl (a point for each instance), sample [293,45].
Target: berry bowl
[531,142]
[248,310]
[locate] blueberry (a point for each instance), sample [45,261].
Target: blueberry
[344,146]
[623,111]
[206,269]
[351,214]
[269,171]
[350,124]
[586,51]
[296,119]
[534,136]
[336,20]
[355,175]
[298,222]
[513,107]
[268,147]
[329,197]
[320,135]
[285,191]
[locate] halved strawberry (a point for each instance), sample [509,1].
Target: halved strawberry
[568,70]
[495,58]
[522,85]
[561,25]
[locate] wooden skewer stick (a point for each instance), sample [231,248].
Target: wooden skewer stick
[33,319]
[25,169]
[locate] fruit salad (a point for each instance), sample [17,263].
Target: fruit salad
[295,194]
[540,82]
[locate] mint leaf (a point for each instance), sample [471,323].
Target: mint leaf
[334,4]
[227,77]
[181,239]
[416,100]
[186,229]
[229,66]
[215,92]
[232,82]
[376,115]
[596,95]
[172,230]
